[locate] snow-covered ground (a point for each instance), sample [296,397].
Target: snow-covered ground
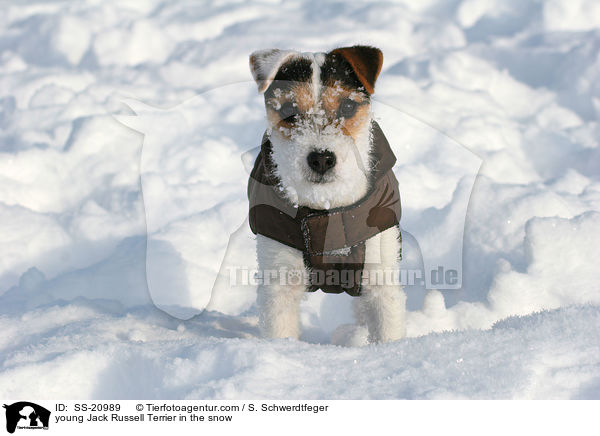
[101,99]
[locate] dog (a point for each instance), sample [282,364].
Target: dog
[323,197]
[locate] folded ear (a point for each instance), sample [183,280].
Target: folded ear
[264,65]
[365,61]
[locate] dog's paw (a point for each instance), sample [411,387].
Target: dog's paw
[350,335]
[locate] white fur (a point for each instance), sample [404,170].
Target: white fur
[278,305]
[264,65]
[348,181]
[381,308]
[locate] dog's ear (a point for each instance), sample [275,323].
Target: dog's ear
[264,65]
[365,61]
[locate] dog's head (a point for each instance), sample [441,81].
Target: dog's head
[319,114]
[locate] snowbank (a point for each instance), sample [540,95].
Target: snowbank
[93,351]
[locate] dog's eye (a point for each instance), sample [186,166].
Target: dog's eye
[347,108]
[288,111]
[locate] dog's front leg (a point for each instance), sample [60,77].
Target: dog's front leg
[382,303]
[283,287]
[278,308]
[382,310]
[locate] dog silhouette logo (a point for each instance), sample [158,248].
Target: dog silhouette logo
[26,415]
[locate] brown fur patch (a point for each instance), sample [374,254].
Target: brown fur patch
[300,94]
[366,63]
[331,97]
[353,126]
[303,96]
[277,123]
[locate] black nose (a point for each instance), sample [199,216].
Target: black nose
[321,161]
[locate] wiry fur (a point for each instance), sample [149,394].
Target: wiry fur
[316,82]
[349,182]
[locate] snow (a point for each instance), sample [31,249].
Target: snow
[127,130]
[86,350]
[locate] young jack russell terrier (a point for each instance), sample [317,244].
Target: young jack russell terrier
[324,201]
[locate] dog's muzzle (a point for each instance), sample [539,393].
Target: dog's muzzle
[321,161]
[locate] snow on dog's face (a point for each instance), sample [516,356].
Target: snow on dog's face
[319,114]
